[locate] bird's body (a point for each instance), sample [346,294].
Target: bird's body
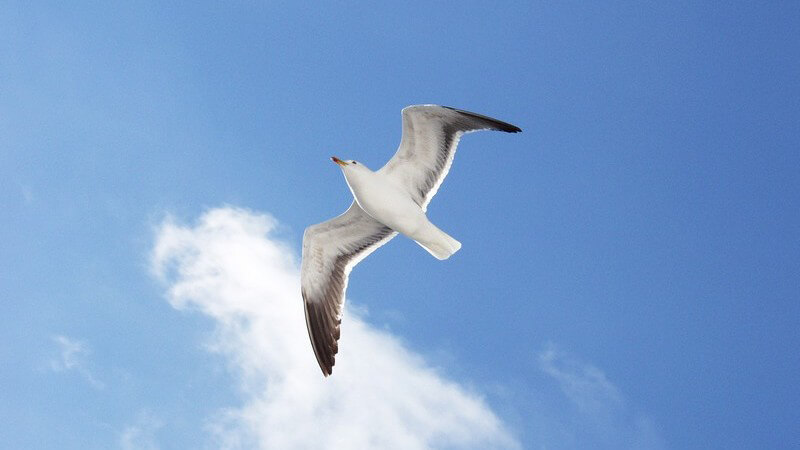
[391,200]
[388,202]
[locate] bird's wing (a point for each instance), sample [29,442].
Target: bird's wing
[428,145]
[330,250]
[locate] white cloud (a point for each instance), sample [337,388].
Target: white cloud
[230,267]
[603,417]
[72,356]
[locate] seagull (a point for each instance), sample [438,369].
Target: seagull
[388,201]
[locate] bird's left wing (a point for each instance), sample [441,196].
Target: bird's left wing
[330,250]
[428,145]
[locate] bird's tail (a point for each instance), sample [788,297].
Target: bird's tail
[438,243]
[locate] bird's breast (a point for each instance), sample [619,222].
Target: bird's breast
[390,205]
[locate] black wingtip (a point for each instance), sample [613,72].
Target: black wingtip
[325,357]
[498,125]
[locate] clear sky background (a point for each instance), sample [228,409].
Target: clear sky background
[629,270]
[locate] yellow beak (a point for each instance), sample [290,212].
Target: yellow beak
[338,161]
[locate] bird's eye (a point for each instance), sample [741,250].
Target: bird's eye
[355,162]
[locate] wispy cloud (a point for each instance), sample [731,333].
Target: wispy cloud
[602,414]
[232,268]
[27,194]
[73,356]
[585,385]
[141,435]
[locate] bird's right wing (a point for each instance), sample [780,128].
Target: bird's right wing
[330,250]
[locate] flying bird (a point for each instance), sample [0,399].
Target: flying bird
[388,201]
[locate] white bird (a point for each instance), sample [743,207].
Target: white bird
[391,200]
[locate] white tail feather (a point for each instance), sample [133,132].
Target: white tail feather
[438,243]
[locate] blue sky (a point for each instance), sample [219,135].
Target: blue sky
[628,276]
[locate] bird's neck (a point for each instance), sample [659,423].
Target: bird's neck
[358,181]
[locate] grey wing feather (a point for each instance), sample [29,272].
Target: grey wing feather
[430,137]
[330,250]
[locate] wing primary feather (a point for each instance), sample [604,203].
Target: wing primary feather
[493,124]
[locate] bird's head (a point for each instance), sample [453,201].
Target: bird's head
[349,166]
